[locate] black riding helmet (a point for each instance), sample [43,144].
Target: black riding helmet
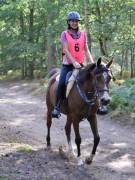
[73,15]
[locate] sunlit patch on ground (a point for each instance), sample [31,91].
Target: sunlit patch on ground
[18,101]
[120,145]
[123,163]
[18,86]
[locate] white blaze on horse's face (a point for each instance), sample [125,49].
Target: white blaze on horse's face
[105,98]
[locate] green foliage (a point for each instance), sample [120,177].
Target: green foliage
[123,97]
[25,148]
[27,37]
[16,74]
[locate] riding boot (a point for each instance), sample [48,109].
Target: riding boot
[56,110]
[60,89]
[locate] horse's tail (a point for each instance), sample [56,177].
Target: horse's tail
[52,78]
[52,72]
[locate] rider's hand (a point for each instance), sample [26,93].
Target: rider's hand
[76,65]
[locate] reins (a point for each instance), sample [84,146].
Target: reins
[82,93]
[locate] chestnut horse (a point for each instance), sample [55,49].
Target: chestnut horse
[90,87]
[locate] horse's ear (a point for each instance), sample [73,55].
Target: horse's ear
[92,66]
[99,61]
[109,63]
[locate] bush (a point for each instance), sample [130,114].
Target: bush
[16,74]
[123,97]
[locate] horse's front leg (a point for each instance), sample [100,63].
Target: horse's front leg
[68,132]
[77,141]
[93,123]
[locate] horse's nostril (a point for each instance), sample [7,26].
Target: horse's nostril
[105,101]
[108,101]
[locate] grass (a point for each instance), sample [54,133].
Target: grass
[25,148]
[3,178]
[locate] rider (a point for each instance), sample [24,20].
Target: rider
[74,50]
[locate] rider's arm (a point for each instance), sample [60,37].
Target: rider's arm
[88,55]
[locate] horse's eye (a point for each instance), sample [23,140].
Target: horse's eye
[109,77]
[99,77]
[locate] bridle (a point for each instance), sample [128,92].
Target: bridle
[101,71]
[90,102]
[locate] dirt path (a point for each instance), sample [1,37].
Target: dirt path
[23,153]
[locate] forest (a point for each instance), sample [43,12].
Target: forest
[30,31]
[30,39]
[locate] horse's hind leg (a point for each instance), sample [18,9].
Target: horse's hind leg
[49,122]
[93,123]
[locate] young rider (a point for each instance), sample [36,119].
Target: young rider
[74,50]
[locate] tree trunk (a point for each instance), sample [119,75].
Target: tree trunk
[31,69]
[23,68]
[44,45]
[126,60]
[52,60]
[51,46]
[122,63]
[103,46]
[132,62]
[31,40]
[86,19]
[102,39]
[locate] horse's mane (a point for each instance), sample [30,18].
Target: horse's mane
[89,67]
[85,72]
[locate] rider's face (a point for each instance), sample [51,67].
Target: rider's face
[73,24]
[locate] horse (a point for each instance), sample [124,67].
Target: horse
[91,86]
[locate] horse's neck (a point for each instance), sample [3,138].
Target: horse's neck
[86,84]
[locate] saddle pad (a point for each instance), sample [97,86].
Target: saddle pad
[57,78]
[71,81]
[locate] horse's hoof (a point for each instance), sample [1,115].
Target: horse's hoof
[88,161]
[49,148]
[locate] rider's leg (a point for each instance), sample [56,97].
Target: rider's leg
[64,70]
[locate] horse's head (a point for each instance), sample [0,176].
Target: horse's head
[102,78]
[95,80]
